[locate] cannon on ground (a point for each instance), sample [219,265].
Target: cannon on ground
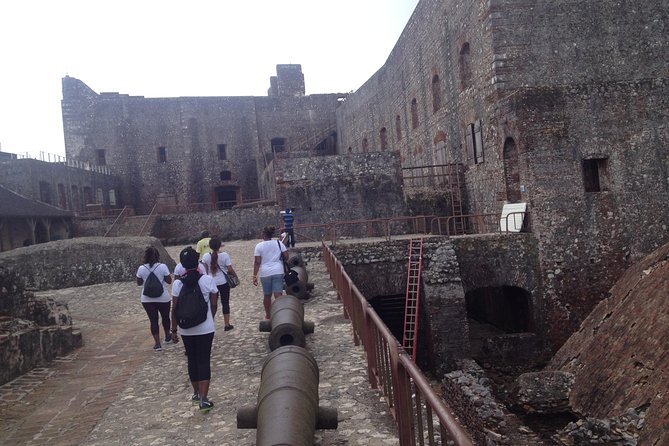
[286,325]
[300,289]
[295,258]
[287,410]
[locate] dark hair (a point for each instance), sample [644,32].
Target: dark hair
[268,231]
[151,255]
[215,245]
[189,260]
[204,234]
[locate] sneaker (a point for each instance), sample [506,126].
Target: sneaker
[228,328]
[205,405]
[195,399]
[157,348]
[168,339]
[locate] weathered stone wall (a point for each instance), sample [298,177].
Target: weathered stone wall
[59,185]
[619,354]
[334,188]
[32,330]
[81,261]
[547,88]
[132,129]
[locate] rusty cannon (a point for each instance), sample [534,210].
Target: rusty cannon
[300,288]
[287,411]
[286,325]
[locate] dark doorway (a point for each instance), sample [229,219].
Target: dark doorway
[226,197]
[507,308]
[391,311]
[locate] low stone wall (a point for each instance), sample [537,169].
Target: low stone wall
[33,330]
[81,261]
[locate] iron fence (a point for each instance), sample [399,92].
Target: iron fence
[421,415]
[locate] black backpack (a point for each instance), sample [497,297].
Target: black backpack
[153,287]
[191,308]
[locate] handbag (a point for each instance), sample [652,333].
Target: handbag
[290,276]
[233,281]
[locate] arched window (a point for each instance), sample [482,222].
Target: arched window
[436,93]
[465,66]
[384,139]
[365,145]
[414,113]
[398,127]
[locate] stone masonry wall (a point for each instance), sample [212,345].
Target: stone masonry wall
[81,261]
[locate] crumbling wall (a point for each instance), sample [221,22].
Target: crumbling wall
[618,356]
[33,330]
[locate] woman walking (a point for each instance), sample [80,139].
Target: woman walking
[155,298]
[219,266]
[198,338]
[270,256]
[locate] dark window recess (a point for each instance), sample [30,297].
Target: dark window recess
[222,155]
[595,174]
[365,145]
[398,126]
[474,142]
[101,157]
[162,155]
[465,66]
[436,93]
[226,175]
[414,113]
[384,139]
[278,145]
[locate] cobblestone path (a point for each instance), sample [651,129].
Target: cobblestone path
[116,391]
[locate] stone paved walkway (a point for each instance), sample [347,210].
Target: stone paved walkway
[116,391]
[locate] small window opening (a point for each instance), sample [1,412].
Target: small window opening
[101,158]
[595,174]
[436,93]
[398,127]
[384,139]
[222,155]
[414,113]
[278,145]
[365,145]
[226,175]
[162,155]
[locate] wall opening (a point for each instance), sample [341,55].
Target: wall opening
[365,145]
[278,145]
[383,134]
[226,175]
[101,157]
[507,308]
[62,196]
[398,127]
[595,174]
[226,197]
[222,154]
[162,154]
[45,192]
[414,113]
[511,171]
[436,93]
[465,66]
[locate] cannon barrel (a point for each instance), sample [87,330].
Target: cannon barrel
[287,410]
[286,324]
[294,258]
[299,289]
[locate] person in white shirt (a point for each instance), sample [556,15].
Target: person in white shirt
[219,266]
[198,339]
[270,256]
[155,306]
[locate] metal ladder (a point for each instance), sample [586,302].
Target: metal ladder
[456,198]
[413,296]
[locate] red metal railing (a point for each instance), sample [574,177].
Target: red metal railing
[422,417]
[476,223]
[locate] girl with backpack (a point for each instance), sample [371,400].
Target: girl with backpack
[155,298]
[219,267]
[194,305]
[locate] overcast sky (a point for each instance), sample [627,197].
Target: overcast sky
[172,48]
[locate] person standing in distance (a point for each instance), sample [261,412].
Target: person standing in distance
[202,246]
[288,220]
[269,257]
